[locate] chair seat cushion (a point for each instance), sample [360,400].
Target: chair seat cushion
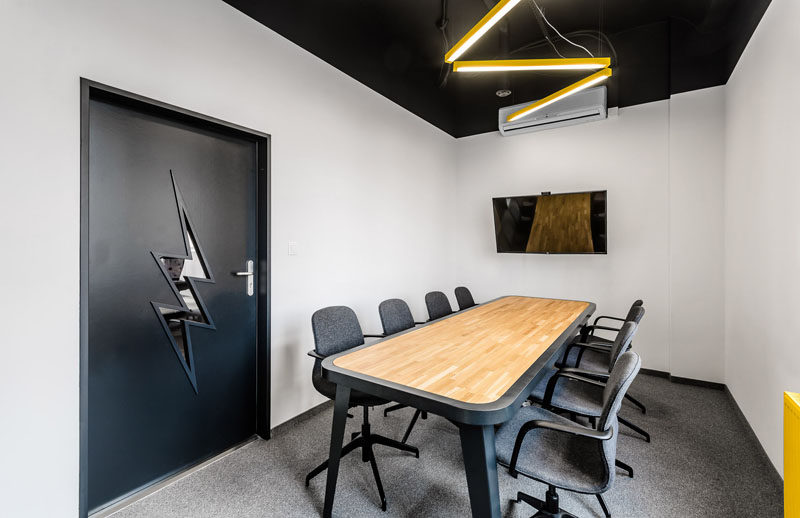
[328,389]
[573,396]
[594,361]
[590,361]
[362,399]
[564,460]
[600,340]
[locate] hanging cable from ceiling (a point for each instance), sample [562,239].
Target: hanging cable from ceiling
[595,35]
[601,9]
[560,35]
[444,71]
[538,15]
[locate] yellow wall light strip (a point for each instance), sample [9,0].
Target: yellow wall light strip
[480,28]
[564,92]
[791,455]
[511,65]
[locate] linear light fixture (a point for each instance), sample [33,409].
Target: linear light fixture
[583,84]
[510,65]
[480,28]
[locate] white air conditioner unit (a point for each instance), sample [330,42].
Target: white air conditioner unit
[585,106]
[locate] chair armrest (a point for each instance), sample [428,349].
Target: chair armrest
[374,336]
[598,344]
[584,373]
[601,328]
[603,348]
[315,354]
[593,346]
[568,349]
[575,429]
[608,317]
[563,373]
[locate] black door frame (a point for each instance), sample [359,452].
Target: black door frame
[94,90]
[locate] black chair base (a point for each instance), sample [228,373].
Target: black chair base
[410,427]
[635,428]
[392,409]
[621,465]
[417,415]
[550,508]
[636,402]
[366,440]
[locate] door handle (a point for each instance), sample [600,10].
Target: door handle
[249,273]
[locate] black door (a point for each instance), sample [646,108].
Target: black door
[172,327]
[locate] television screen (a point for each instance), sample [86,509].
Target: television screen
[569,223]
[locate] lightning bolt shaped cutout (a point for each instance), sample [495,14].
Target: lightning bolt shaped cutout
[177,320]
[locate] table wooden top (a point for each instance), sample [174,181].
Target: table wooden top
[474,356]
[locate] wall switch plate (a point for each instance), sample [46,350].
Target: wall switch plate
[292,248]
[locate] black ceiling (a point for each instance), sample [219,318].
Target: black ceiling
[396,48]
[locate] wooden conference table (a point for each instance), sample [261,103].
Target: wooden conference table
[475,368]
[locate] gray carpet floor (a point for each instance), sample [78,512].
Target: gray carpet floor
[703,461]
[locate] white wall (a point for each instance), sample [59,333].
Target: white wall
[762,239]
[696,171]
[363,187]
[658,183]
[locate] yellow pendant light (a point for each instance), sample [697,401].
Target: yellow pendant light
[511,65]
[583,84]
[480,28]
[508,65]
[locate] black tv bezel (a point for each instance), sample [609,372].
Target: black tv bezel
[548,193]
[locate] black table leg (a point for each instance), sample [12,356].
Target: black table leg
[480,464]
[337,436]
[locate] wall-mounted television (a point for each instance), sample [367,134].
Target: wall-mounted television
[566,223]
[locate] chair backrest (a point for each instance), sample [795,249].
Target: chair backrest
[621,343]
[438,305]
[336,329]
[395,316]
[625,370]
[464,298]
[635,314]
[617,385]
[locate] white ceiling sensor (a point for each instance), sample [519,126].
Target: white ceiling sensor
[585,106]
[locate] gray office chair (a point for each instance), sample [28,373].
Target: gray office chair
[395,318]
[336,329]
[591,352]
[578,354]
[637,302]
[464,298]
[438,305]
[588,330]
[558,392]
[635,314]
[562,454]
